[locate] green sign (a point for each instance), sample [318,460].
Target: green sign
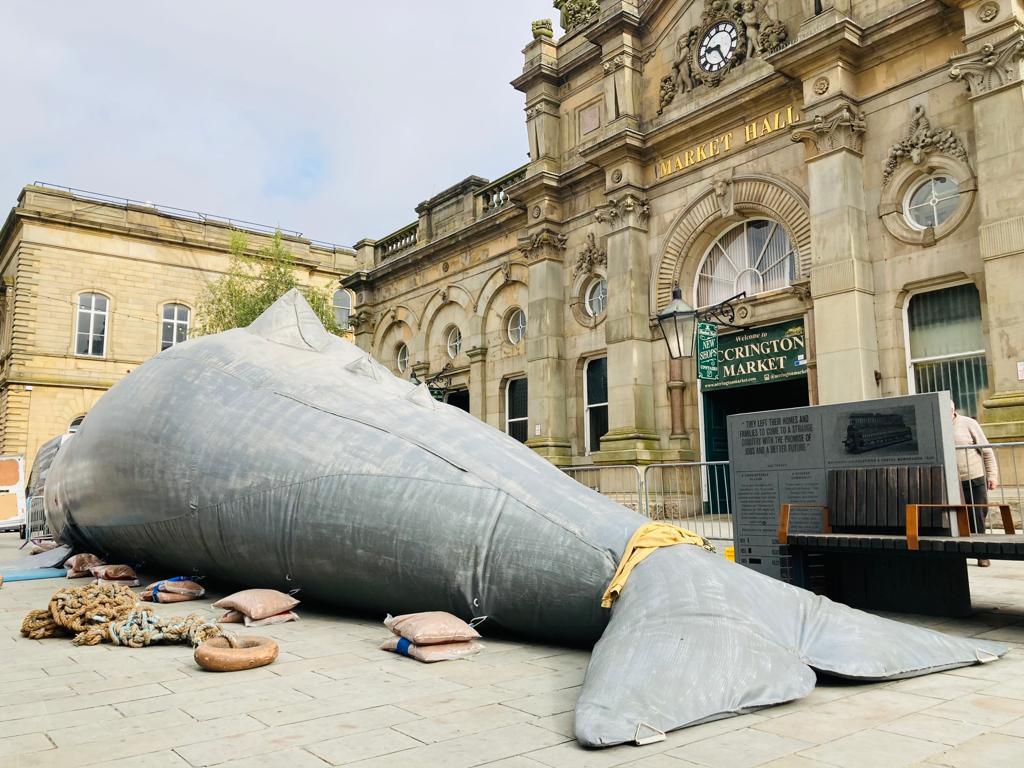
[759,356]
[707,351]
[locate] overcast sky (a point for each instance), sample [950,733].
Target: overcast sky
[331,118]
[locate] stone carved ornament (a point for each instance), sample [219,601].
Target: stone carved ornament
[840,128]
[542,239]
[542,28]
[577,13]
[756,34]
[625,207]
[920,141]
[590,257]
[992,67]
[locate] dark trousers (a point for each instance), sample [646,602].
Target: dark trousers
[976,492]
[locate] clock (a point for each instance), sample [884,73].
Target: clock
[718,46]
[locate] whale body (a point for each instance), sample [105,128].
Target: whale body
[281,456]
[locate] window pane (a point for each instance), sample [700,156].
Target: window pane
[597,425]
[83,322]
[167,335]
[97,346]
[945,322]
[597,381]
[924,216]
[82,344]
[519,430]
[966,379]
[944,186]
[517,398]
[181,334]
[922,195]
[99,302]
[168,311]
[945,208]
[182,313]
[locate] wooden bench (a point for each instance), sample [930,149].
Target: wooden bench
[884,540]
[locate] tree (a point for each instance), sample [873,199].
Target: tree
[253,283]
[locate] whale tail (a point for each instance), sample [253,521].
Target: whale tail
[695,638]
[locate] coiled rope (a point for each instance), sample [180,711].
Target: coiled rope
[95,614]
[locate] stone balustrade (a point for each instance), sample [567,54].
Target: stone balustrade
[397,242]
[495,196]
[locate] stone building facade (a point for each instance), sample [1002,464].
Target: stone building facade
[93,286]
[855,167]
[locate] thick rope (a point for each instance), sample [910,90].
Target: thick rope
[95,614]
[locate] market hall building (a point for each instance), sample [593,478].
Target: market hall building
[855,169]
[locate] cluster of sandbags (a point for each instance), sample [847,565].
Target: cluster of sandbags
[78,566]
[431,636]
[257,608]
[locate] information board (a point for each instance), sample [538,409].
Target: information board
[707,351]
[778,457]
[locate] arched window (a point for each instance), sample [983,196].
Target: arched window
[517,326]
[454,342]
[342,304]
[947,346]
[91,327]
[402,358]
[595,403]
[75,424]
[174,329]
[754,256]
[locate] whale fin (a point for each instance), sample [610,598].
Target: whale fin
[292,322]
[695,638]
[421,396]
[364,365]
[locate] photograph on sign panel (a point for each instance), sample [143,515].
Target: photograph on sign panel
[880,431]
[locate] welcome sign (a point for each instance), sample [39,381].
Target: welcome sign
[760,356]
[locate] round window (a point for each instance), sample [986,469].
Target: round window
[932,202]
[597,297]
[517,326]
[454,343]
[402,358]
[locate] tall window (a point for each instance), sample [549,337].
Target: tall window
[402,357]
[516,419]
[595,398]
[947,348]
[91,330]
[754,256]
[175,325]
[342,304]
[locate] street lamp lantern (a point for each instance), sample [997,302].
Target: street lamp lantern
[677,321]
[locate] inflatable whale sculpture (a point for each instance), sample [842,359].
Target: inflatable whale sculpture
[279,455]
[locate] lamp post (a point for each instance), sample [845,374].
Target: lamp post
[438,384]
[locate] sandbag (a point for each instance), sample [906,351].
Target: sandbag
[431,628]
[177,589]
[78,566]
[115,575]
[257,603]
[431,653]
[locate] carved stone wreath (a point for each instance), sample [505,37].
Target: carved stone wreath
[920,141]
[577,13]
[590,258]
[757,34]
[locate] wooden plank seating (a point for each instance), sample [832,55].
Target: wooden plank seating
[885,541]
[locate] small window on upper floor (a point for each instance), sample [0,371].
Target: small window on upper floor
[175,325]
[91,325]
[342,304]
[75,424]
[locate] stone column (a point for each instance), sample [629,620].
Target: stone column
[632,436]
[842,285]
[478,382]
[547,386]
[992,71]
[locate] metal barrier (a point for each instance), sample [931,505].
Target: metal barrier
[1010,461]
[694,495]
[623,483]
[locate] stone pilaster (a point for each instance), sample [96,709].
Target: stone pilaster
[842,283]
[546,367]
[992,71]
[632,436]
[478,382]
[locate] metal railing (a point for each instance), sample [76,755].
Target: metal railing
[623,483]
[693,495]
[1010,462]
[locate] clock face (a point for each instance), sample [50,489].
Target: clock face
[717,46]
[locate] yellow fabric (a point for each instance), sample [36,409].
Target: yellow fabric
[644,541]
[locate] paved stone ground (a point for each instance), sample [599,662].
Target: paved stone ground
[332,698]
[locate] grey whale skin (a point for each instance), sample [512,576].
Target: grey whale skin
[281,456]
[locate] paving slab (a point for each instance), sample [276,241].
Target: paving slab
[333,698]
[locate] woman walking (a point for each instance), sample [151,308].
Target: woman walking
[977,468]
